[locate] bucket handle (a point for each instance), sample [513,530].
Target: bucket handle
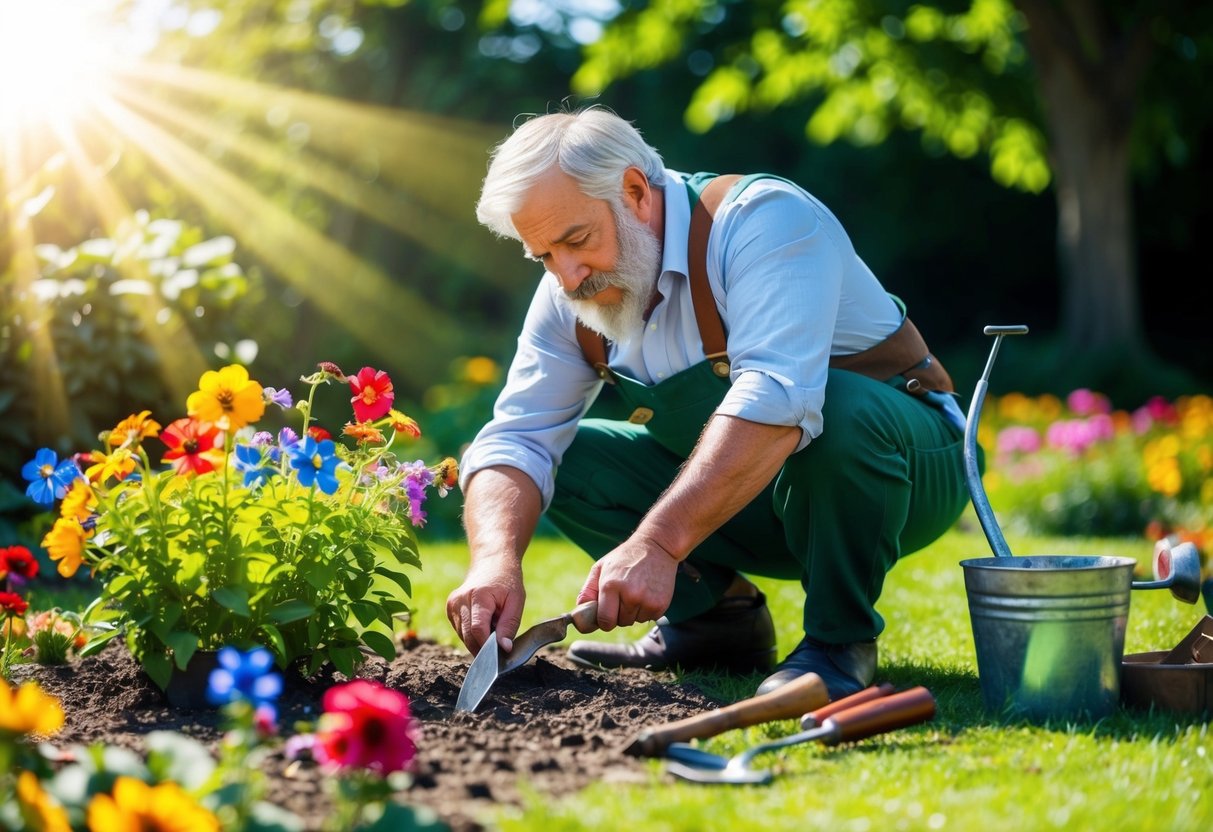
[981,503]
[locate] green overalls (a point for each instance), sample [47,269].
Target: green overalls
[885,478]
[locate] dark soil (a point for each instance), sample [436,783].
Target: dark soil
[551,725]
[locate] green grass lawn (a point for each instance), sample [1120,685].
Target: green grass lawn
[965,770]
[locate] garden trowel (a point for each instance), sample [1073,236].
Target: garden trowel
[492,661]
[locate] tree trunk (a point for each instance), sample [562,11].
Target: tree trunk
[1088,75]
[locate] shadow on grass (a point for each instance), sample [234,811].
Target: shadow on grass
[960,706]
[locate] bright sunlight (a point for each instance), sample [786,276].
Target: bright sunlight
[53,59]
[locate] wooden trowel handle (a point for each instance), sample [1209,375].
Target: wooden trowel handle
[585,617]
[888,713]
[806,693]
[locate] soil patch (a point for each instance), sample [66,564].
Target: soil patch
[551,725]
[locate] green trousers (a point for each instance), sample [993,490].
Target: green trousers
[883,480]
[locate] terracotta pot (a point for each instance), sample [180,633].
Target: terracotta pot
[187,688]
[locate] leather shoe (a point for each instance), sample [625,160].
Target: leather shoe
[845,668]
[736,635]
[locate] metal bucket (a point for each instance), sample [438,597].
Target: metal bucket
[1049,632]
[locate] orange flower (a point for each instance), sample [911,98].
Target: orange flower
[364,432]
[403,424]
[28,710]
[132,430]
[228,398]
[65,543]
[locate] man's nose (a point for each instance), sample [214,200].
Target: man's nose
[570,270]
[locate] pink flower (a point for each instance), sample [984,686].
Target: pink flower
[1084,402]
[1018,439]
[373,394]
[366,725]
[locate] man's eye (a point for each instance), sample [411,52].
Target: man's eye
[578,243]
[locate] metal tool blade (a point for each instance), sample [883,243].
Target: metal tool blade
[482,672]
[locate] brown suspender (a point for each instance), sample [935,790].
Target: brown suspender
[903,353]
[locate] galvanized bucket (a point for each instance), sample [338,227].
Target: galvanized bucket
[1049,631]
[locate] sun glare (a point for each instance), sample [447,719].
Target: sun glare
[53,57]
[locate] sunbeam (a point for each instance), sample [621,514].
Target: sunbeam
[350,290]
[397,209]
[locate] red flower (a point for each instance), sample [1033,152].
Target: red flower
[18,561]
[318,433]
[366,725]
[372,394]
[191,446]
[13,604]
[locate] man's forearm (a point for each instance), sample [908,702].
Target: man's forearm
[733,462]
[500,511]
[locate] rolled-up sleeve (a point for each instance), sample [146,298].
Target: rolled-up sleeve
[547,390]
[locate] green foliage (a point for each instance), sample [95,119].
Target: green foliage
[191,558]
[868,67]
[87,330]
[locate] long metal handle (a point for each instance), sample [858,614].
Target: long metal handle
[981,503]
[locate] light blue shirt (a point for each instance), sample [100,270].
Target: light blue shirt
[788,285]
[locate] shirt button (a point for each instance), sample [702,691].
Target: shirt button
[652,327]
[661,375]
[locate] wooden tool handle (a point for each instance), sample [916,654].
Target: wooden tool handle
[787,702]
[814,718]
[909,707]
[585,617]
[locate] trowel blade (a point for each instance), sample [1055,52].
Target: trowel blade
[482,672]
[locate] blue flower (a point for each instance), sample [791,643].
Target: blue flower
[49,479]
[315,463]
[249,461]
[244,676]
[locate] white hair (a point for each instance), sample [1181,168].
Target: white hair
[593,146]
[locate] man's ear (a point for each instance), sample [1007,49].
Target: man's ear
[638,194]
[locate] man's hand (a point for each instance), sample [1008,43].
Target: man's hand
[634,582]
[490,597]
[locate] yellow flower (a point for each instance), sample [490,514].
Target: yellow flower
[118,465]
[135,806]
[65,543]
[480,370]
[27,710]
[132,430]
[227,398]
[79,501]
[37,807]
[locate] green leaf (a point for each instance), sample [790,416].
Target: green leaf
[95,643]
[183,645]
[397,818]
[366,612]
[380,643]
[274,636]
[398,577]
[291,611]
[235,598]
[158,667]
[345,659]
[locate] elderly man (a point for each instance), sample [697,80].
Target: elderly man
[782,418]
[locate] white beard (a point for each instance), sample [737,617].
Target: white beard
[635,273]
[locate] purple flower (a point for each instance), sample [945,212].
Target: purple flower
[416,479]
[272,395]
[48,478]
